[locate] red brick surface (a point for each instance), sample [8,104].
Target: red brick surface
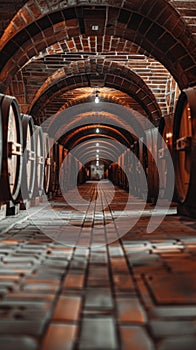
[136,293]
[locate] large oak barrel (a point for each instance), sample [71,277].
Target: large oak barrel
[184,143]
[120,171]
[52,180]
[39,172]
[1,137]
[126,169]
[11,149]
[123,178]
[164,145]
[47,162]
[66,169]
[29,158]
[141,166]
[131,165]
[113,172]
[151,168]
[135,165]
[82,175]
[56,158]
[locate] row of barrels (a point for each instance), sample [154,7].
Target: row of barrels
[179,133]
[31,164]
[184,143]
[65,171]
[130,172]
[24,155]
[175,137]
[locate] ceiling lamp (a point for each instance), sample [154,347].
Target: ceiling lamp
[97,97]
[97,131]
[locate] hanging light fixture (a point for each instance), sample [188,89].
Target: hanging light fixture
[97,97]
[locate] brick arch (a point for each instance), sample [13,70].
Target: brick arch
[85,146]
[83,151]
[117,133]
[89,143]
[83,44]
[54,57]
[82,118]
[35,11]
[116,76]
[31,77]
[106,97]
[107,154]
[154,26]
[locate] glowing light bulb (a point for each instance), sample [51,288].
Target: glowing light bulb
[96,99]
[97,96]
[97,130]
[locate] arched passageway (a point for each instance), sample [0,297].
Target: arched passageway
[97,174]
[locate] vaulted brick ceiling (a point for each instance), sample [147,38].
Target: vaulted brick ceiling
[55,54]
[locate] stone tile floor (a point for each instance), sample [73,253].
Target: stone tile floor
[136,293]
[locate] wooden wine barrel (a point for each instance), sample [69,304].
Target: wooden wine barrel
[164,149]
[184,143]
[52,180]
[1,136]
[82,175]
[61,177]
[12,149]
[112,173]
[151,169]
[127,175]
[123,179]
[29,158]
[118,173]
[47,162]
[136,168]
[141,166]
[39,168]
[131,171]
[57,154]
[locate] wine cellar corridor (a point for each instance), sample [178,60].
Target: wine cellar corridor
[97,175]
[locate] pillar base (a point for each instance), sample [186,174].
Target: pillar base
[3,208]
[12,209]
[24,205]
[35,201]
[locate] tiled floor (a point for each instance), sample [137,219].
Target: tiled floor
[136,293]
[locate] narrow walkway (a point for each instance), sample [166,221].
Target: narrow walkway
[136,293]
